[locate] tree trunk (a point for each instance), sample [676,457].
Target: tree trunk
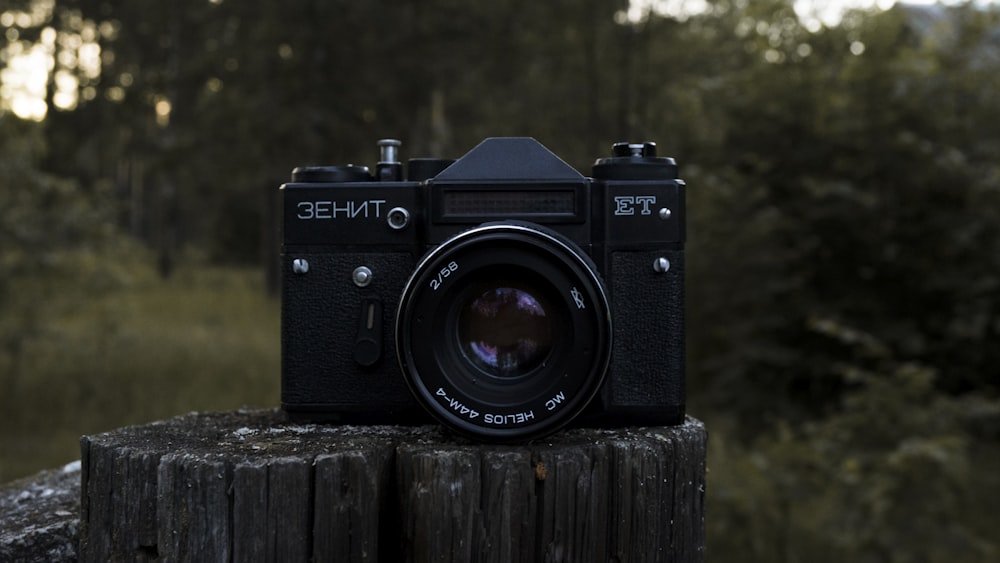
[249,486]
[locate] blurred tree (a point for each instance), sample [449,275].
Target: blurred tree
[866,208]
[214,102]
[50,232]
[890,477]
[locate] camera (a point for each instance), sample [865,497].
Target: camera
[503,294]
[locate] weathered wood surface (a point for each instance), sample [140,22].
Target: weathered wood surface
[39,516]
[249,486]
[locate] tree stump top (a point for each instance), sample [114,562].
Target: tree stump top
[262,434]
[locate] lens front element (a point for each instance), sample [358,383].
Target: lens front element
[503,332]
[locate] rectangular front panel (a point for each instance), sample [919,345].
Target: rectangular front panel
[322,312]
[647,362]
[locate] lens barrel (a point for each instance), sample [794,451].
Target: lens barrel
[503,332]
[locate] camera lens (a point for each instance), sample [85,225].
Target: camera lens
[503,331]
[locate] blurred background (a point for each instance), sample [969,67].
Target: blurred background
[844,230]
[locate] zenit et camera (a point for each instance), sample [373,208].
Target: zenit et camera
[504,294]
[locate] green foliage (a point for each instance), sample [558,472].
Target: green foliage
[50,232]
[845,199]
[889,477]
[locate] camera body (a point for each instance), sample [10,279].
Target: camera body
[503,294]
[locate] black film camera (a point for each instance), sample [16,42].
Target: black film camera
[504,293]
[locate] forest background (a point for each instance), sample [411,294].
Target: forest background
[844,223]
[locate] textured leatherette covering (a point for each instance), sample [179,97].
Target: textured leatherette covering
[321,315]
[646,377]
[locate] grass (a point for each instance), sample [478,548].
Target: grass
[204,339]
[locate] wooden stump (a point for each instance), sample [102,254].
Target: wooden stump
[249,486]
[39,516]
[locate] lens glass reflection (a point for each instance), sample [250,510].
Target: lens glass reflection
[505,329]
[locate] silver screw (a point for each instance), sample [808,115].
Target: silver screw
[300,265]
[661,265]
[362,276]
[664,214]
